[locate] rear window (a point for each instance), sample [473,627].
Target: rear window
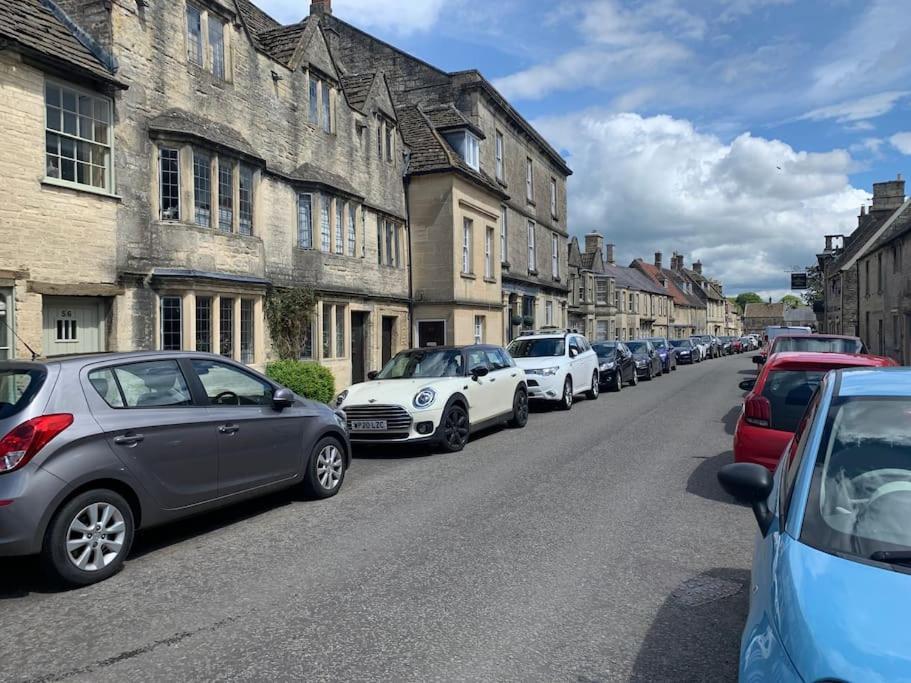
[818,345]
[789,392]
[17,389]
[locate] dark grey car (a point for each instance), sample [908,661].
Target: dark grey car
[97,446]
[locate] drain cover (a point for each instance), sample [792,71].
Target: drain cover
[704,589]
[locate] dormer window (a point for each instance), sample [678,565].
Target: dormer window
[467,145]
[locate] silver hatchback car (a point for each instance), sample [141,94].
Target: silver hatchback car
[93,447]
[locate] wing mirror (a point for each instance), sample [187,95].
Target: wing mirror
[750,483]
[747,384]
[573,353]
[282,398]
[759,360]
[479,372]
[372,375]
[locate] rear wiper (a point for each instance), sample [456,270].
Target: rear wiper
[892,556]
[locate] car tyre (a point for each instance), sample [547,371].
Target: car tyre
[566,401]
[455,429]
[519,409]
[618,380]
[325,469]
[595,391]
[649,377]
[635,379]
[81,531]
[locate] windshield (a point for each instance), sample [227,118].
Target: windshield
[681,344]
[604,350]
[818,344]
[637,346]
[423,363]
[860,497]
[789,392]
[537,348]
[17,389]
[659,343]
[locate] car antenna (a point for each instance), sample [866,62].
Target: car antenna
[30,349]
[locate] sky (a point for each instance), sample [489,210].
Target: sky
[737,132]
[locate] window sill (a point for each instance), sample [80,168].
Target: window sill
[505,265]
[468,276]
[203,229]
[490,280]
[533,273]
[63,184]
[556,278]
[502,183]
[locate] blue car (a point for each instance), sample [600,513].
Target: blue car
[831,582]
[666,352]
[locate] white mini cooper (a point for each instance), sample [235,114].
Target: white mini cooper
[437,395]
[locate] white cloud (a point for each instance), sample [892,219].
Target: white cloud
[859,109]
[750,209]
[901,142]
[400,16]
[735,9]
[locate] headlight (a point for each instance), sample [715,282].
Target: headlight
[549,372]
[607,366]
[640,363]
[341,419]
[340,399]
[424,398]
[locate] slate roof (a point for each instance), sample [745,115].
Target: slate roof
[764,310]
[674,285]
[630,278]
[43,30]
[704,283]
[357,89]
[310,173]
[255,20]
[900,226]
[868,227]
[447,117]
[280,43]
[187,123]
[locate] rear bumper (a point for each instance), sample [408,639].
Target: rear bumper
[29,496]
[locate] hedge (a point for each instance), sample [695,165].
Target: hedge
[310,380]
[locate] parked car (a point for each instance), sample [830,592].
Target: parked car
[96,445]
[831,579]
[737,345]
[648,362]
[559,366]
[726,345]
[666,352]
[778,397]
[686,351]
[813,343]
[749,343]
[701,346]
[616,365]
[774,331]
[438,395]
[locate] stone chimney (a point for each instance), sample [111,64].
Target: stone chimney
[888,196]
[658,260]
[320,7]
[609,254]
[829,242]
[677,261]
[594,242]
[697,267]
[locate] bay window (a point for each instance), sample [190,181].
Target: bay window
[225,195]
[305,221]
[169,184]
[325,235]
[202,188]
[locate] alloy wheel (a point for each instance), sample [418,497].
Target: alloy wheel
[456,427]
[618,380]
[520,409]
[329,467]
[95,537]
[567,394]
[596,385]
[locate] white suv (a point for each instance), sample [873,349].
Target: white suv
[558,366]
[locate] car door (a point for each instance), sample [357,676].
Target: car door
[482,392]
[506,376]
[257,444]
[590,365]
[577,364]
[155,427]
[626,363]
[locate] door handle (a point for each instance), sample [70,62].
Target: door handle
[228,429]
[513,374]
[129,439]
[493,380]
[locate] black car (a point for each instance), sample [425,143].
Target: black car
[616,365]
[686,351]
[727,345]
[648,362]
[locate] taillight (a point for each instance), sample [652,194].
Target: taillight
[23,442]
[757,411]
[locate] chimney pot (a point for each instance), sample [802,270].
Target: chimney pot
[658,259]
[320,7]
[594,242]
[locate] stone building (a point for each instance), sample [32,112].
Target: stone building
[709,293]
[592,292]
[686,314]
[733,323]
[758,316]
[240,158]
[480,138]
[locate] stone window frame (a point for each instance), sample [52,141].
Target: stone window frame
[488,253]
[188,296]
[467,267]
[174,182]
[532,248]
[555,257]
[207,58]
[504,233]
[389,238]
[326,111]
[499,154]
[108,145]
[330,313]
[7,323]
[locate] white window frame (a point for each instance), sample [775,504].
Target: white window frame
[504,232]
[529,180]
[479,328]
[555,256]
[467,239]
[548,313]
[472,151]
[532,249]
[500,143]
[553,197]
[8,322]
[488,253]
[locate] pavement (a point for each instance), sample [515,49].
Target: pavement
[590,546]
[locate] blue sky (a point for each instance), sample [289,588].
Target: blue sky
[735,131]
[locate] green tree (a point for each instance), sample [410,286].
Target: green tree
[814,293]
[745,298]
[289,312]
[791,301]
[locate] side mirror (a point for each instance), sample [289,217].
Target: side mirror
[372,375]
[282,398]
[479,372]
[751,484]
[759,360]
[747,384]
[573,353]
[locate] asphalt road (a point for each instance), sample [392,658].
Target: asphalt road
[590,546]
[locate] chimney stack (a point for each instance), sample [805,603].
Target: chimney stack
[320,7]
[828,242]
[658,260]
[610,254]
[697,267]
[888,196]
[594,242]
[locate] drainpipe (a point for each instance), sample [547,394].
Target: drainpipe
[405,183]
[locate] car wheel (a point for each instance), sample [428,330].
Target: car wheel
[89,538]
[595,391]
[618,380]
[674,367]
[455,429]
[566,401]
[326,469]
[519,409]
[649,376]
[635,380]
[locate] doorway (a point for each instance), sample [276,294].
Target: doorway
[431,333]
[388,334]
[358,347]
[73,325]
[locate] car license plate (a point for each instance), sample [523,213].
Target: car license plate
[367,425]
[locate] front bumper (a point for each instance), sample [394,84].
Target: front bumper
[685,358]
[643,371]
[544,387]
[433,416]
[607,377]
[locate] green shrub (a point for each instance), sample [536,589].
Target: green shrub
[307,379]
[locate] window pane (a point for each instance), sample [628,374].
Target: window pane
[6,323]
[314,101]
[352,231]
[225,195]
[379,240]
[390,244]
[327,118]
[246,330]
[204,324]
[229,386]
[339,331]
[389,140]
[503,236]
[327,331]
[202,188]
[226,327]
[307,340]
[339,226]
[789,392]
[217,45]
[170,323]
[105,384]
[194,35]
[324,223]
[169,184]
[54,117]
[246,201]
[304,222]
[157,384]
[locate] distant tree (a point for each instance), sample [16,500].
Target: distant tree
[791,301]
[814,294]
[747,298]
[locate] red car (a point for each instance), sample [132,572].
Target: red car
[778,398]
